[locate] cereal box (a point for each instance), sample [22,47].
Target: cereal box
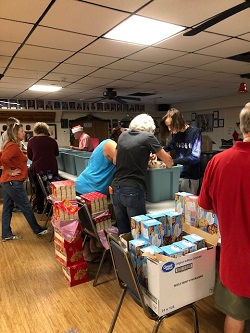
[191,204]
[186,246]
[136,222]
[69,254]
[172,250]
[153,231]
[207,221]
[180,203]
[196,239]
[95,201]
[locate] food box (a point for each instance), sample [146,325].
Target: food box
[95,201]
[63,189]
[176,282]
[69,254]
[76,274]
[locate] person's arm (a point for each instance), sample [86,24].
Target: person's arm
[195,155]
[165,157]
[78,148]
[110,151]
[170,145]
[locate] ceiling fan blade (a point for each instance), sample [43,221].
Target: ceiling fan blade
[130,98]
[119,100]
[218,18]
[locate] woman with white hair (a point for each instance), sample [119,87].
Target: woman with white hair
[128,191]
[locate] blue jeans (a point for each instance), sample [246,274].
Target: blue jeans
[127,202]
[14,192]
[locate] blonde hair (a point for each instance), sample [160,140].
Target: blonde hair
[143,122]
[11,133]
[41,128]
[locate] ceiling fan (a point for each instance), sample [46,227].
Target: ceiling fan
[218,18]
[111,94]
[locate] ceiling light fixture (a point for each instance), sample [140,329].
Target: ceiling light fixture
[143,30]
[242,88]
[38,87]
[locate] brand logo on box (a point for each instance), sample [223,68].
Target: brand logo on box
[168,267]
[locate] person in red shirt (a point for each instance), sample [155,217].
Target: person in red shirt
[14,173]
[85,142]
[225,191]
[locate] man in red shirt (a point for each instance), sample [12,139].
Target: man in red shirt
[225,190]
[85,142]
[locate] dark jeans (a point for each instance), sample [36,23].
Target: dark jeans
[127,202]
[14,192]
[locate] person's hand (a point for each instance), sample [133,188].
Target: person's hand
[152,157]
[71,147]
[14,172]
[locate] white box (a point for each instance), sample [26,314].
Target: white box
[176,282]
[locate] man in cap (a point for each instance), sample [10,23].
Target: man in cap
[85,142]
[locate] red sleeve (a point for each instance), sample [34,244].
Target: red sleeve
[205,200]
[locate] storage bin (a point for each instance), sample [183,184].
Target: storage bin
[60,161]
[81,163]
[162,184]
[69,163]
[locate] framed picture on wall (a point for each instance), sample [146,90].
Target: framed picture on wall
[221,122]
[193,116]
[216,124]
[52,129]
[28,135]
[216,114]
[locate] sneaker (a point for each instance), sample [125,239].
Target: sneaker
[13,237]
[44,232]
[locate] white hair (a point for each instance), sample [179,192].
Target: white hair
[245,119]
[143,122]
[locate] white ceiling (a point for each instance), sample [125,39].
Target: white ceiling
[61,42]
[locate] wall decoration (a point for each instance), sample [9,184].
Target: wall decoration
[216,114]
[23,103]
[193,116]
[79,106]
[4,104]
[31,104]
[28,127]
[49,105]
[28,135]
[216,123]
[72,105]
[221,122]
[65,106]
[52,129]
[13,104]
[57,105]
[39,104]
[205,122]
[64,123]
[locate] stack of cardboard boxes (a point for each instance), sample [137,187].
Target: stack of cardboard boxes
[68,232]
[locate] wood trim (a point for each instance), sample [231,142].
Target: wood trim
[28,116]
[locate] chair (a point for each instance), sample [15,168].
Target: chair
[128,281]
[47,198]
[32,189]
[95,142]
[89,228]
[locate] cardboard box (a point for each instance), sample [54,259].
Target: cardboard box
[207,144]
[76,274]
[69,254]
[176,282]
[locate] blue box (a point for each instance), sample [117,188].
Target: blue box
[81,163]
[162,184]
[69,162]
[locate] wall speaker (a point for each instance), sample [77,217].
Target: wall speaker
[163,107]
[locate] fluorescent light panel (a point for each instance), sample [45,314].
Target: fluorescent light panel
[38,87]
[142,30]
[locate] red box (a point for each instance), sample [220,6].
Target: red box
[63,189]
[58,237]
[76,274]
[69,254]
[95,201]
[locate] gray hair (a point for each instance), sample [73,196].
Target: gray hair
[245,119]
[143,122]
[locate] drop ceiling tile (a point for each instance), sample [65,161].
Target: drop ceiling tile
[42,53]
[163,69]
[59,39]
[14,31]
[74,69]
[90,60]
[24,73]
[125,5]
[110,73]
[4,61]
[132,65]
[155,55]
[226,49]
[62,77]
[112,48]
[86,17]
[28,64]
[8,48]
[226,65]
[192,60]
[142,77]
[23,10]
